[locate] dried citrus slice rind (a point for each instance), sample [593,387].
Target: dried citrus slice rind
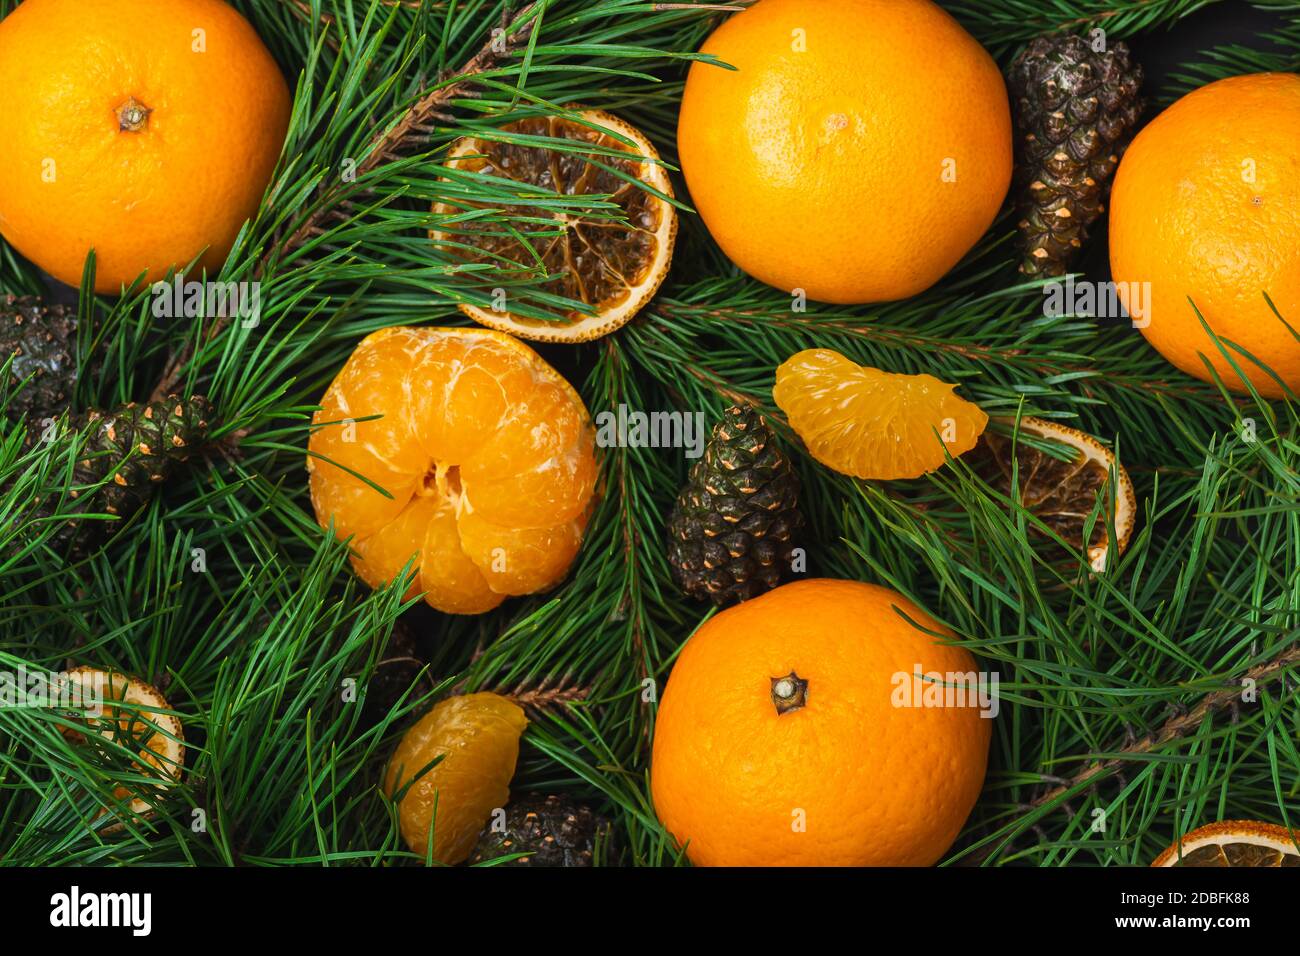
[612,261]
[1063,492]
[868,423]
[1233,843]
[477,738]
[155,737]
[485,456]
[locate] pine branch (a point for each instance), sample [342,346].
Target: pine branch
[388,144]
[1031,361]
[1175,728]
[545,694]
[304,10]
[1005,24]
[17,277]
[1180,724]
[1277,51]
[715,7]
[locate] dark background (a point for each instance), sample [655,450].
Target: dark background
[1162,51]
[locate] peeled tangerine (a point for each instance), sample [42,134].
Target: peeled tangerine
[485,453]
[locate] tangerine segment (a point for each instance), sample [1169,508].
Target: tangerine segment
[357,508]
[868,423]
[380,557]
[454,583]
[476,737]
[359,434]
[537,559]
[542,464]
[459,416]
[462,392]
[613,260]
[366,388]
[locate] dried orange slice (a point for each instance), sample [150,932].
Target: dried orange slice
[1063,492]
[872,424]
[475,738]
[485,453]
[142,727]
[612,260]
[1234,843]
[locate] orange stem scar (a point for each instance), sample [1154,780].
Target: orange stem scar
[132,116]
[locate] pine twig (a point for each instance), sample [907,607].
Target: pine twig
[303,9]
[389,144]
[907,338]
[628,533]
[727,391]
[549,693]
[1176,727]
[720,7]
[384,147]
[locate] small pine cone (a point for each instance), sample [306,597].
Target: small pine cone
[553,830]
[735,525]
[42,340]
[136,447]
[1076,112]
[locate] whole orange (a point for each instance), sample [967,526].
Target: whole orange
[147,131]
[857,151]
[795,732]
[1206,206]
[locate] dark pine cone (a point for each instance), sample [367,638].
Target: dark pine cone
[42,340]
[132,449]
[735,525]
[1076,111]
[555,830]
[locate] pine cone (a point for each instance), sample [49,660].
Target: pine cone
[555,830]
[1076,112]
[136,447]
[734,527]
[42,340]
